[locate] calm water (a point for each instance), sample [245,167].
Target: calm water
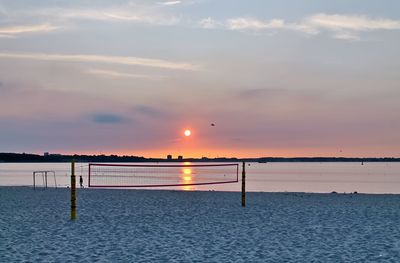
[261,177]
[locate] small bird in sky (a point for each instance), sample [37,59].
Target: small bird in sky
[212,124]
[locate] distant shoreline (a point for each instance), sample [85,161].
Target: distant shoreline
[59,158]
[163,190]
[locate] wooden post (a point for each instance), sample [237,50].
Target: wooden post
[45,174]
[244,185]
[55,180]
[73,191]
[34,181]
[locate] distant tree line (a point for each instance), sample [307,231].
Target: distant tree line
[25,157]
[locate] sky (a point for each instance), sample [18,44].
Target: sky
[276,78]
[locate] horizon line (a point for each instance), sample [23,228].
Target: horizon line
[203,157]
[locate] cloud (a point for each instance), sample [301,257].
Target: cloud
[148,111]
[71,17]
[243,23]
[171,3]
[107,118]
[351,22]
[7,36]
[346,36]
[253,24]
[138,14]
[208,23]
[345,27]
[136,61]
[120,75]
[11,31]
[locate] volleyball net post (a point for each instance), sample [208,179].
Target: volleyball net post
[73,191]
[244,185]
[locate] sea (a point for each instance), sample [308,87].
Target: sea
[312,177]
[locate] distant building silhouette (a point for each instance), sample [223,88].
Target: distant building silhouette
[180,158]
[169,157]
[46,154]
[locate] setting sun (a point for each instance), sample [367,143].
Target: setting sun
[187,133]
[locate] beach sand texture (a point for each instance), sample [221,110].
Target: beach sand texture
[178,226]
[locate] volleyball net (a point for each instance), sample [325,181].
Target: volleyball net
[154,175]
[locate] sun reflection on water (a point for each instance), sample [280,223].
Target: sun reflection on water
[186,177]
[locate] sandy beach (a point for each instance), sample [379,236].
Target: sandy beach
[178,226]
